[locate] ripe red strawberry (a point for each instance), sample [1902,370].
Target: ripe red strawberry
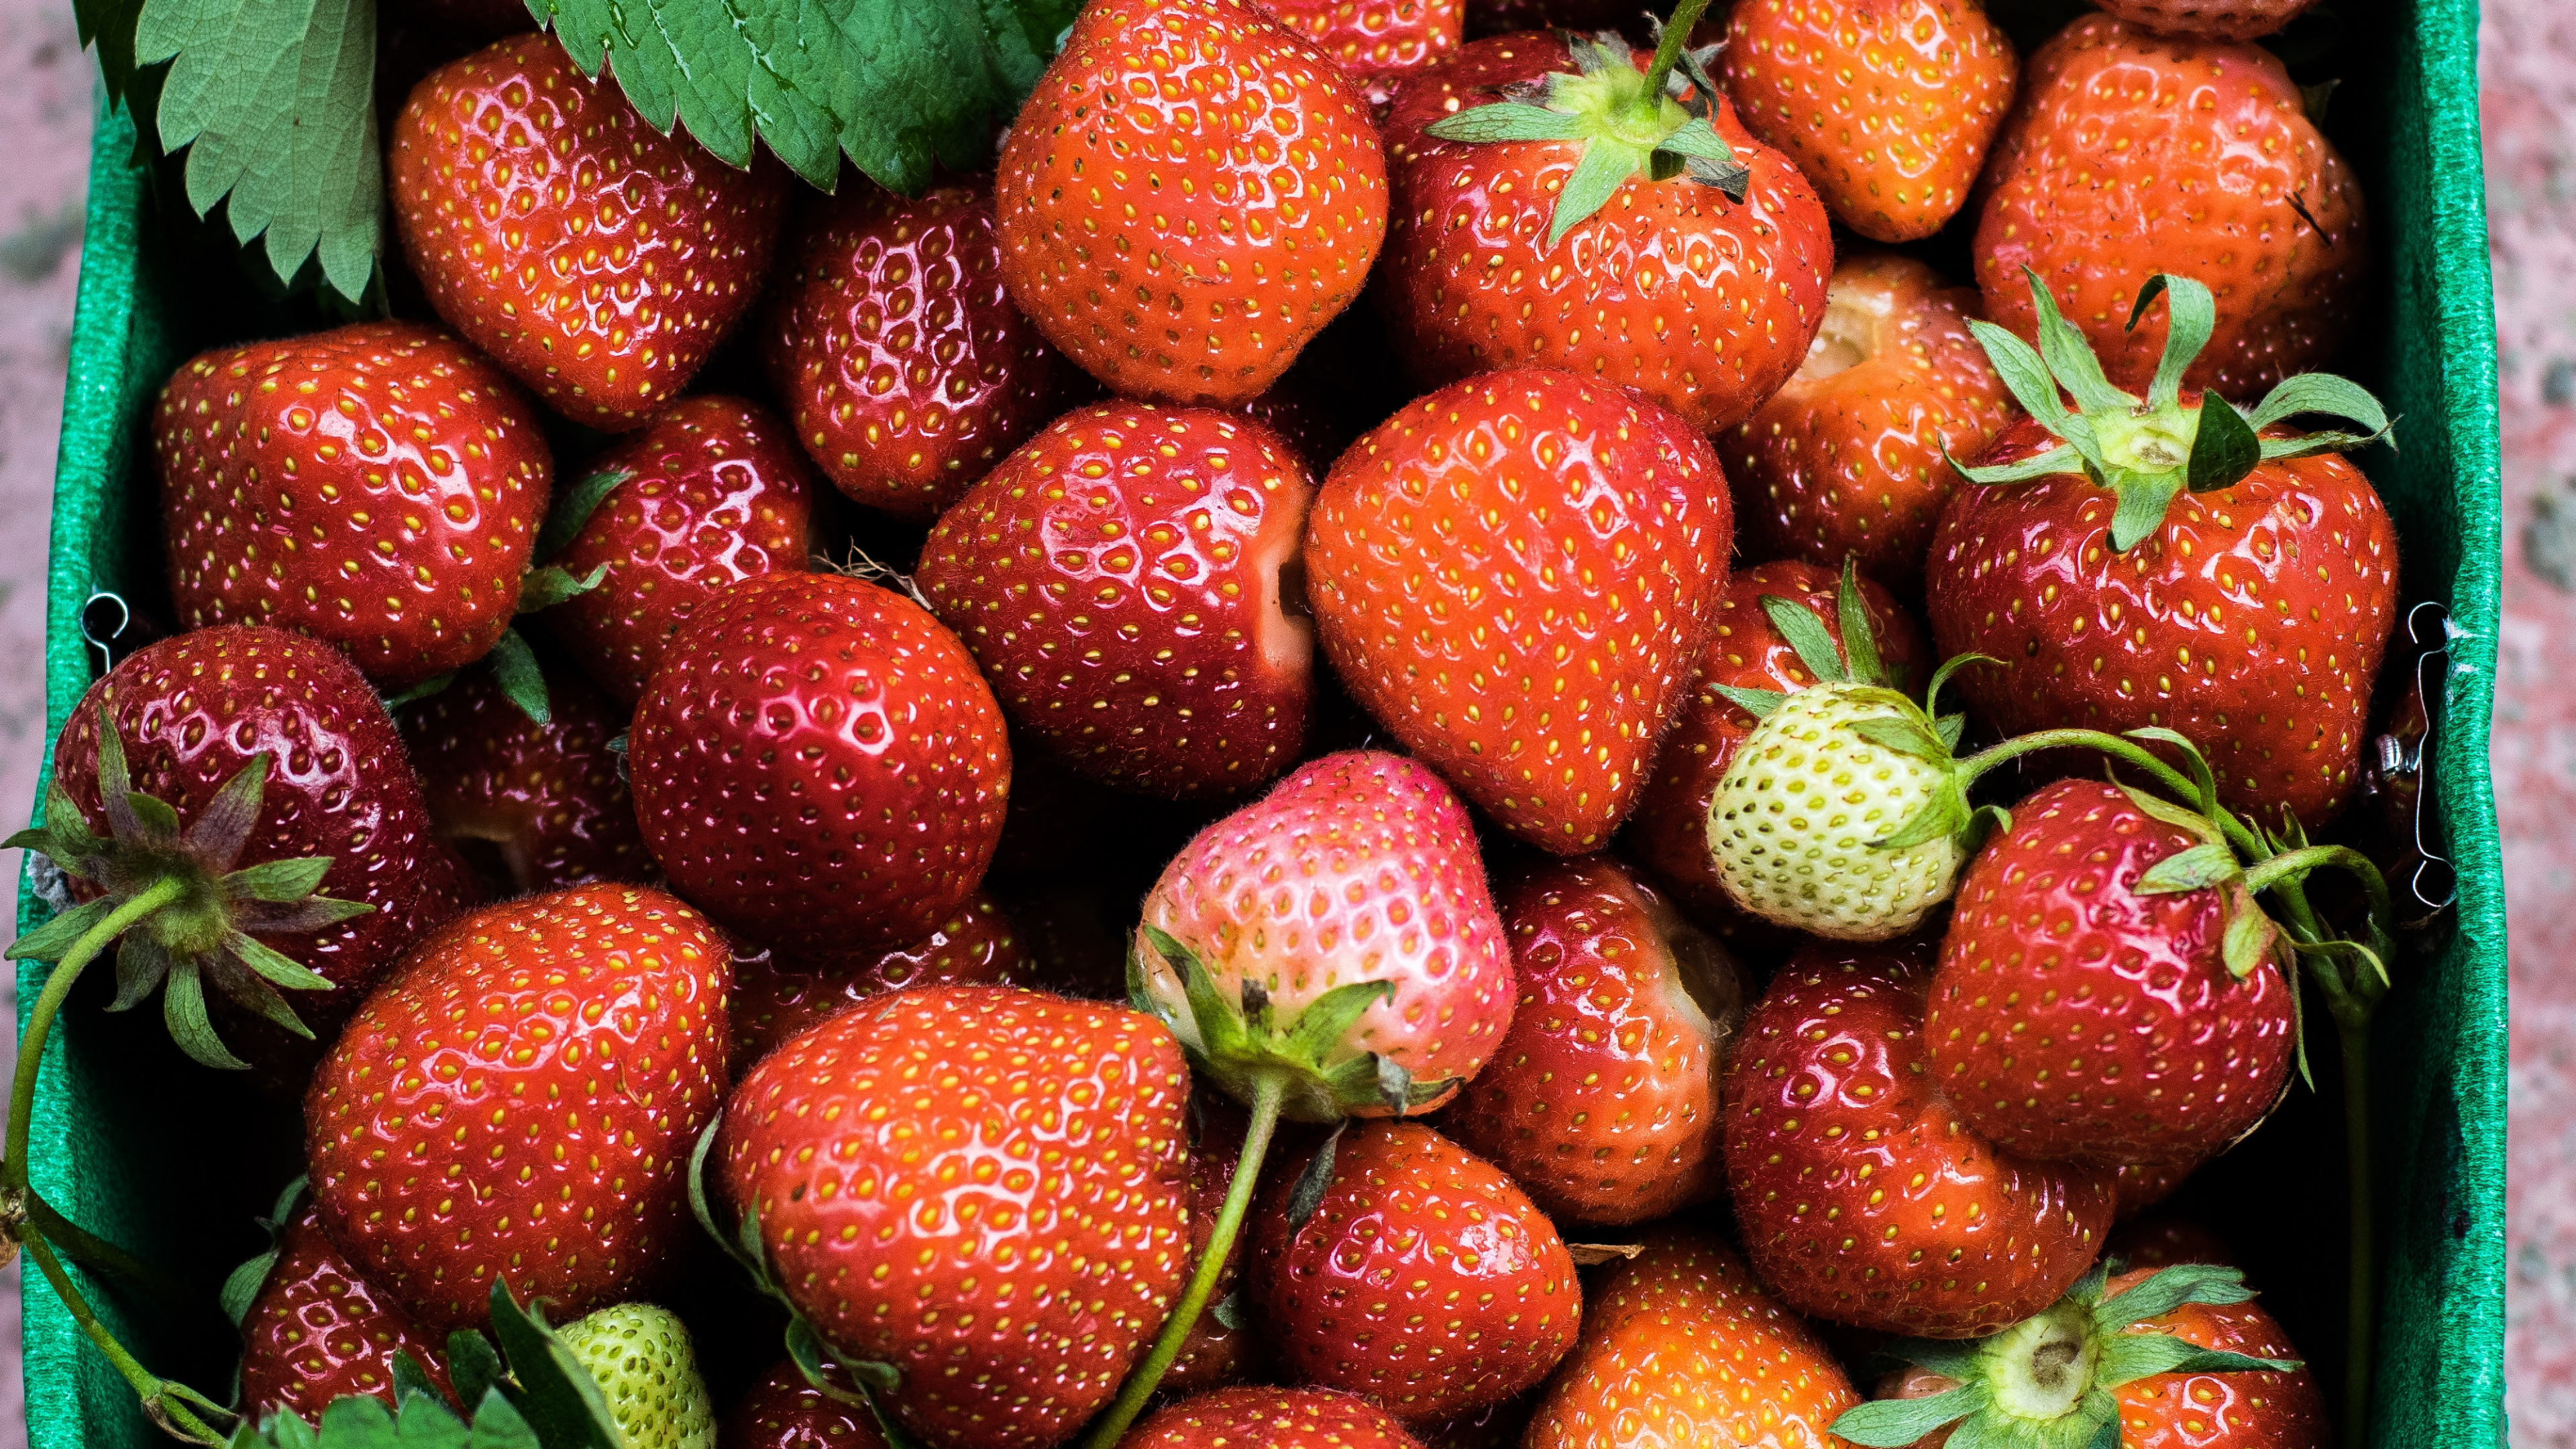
[2114,125]
[1861,1195]
[818,765]
[1513,574]
[1701,291]
[313,1330]
[596,259]
[1376,42]
[1602,1100]
[1846,460]
[1196,285]
[905,367]
[783,1411]
[981,1187]
[1681,1347]
[1423,1280]
[1272,1418]
[714,491]
[774,1000]
[2138,1187]
[541,802]
[517,1102]
[377,486]
[1886,105]
[1216,1353]
[1119,580]
[2208,19]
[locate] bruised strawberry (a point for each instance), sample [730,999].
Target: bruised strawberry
[545,802]
[313,1330]
[783,1411]
[773,1001]
[1376,42]
[1273,1418]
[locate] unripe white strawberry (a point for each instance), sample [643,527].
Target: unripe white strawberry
[647,1370]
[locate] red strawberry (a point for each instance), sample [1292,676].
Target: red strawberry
[904,365]
[783,1411]
[542,802]
[1513,574]
[1602,1100]
[596,259]
[2114,129]
[517,1102]
[1200,284]
[1423,1280]
[1215,1353]
[981,1187]
[2208,19]
[714,491]
[1376,42]
[1847,460]
[2163,1240]
[2137,1187]
[1700,291]
[377,486]
[313,1330]
[818,764]
[773,1001]
[1861,1195]
[1273,1419]
[1119,579]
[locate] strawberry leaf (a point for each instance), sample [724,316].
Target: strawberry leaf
[557,1396]
[2324,393]
[242,1285]
[514,668]
[1307,1193]
[183,1010]
[1903,735]
[411,1381]
[2191,314]
[1599,172]
[573,507]
[1325,1024]
[473,1366]
[2223,448]
[1893,1423]
[2128,1357]
[545,587]
[2248,940]
[1806,636]
[49,941]
[2196,869]
[2143,501]
[1860,636]
[2211,1284]
[1758,703]
[141,967]
[1508,121]
[2070,357]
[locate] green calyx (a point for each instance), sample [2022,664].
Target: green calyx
[2050,1381]
[2147,450]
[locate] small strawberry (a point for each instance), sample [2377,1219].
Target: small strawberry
[1273,1419]
[595,259]
[646,1368]
[818,765]
[515,1103]
[1602,1100]
[543,802]
[2208,19]
[1197,284]
[1119,579]
[783,1411]
[377,486]
[1861,1194]
[708,493]
[313,1330]
[1513,574]
[1851,458]
[905,367]
[774,1000]
[1376,42]
[1419,1277]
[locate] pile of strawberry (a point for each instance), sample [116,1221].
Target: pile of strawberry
[1277,774]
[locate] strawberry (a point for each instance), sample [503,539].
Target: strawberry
[594,258]
[377,486]
[438,1165]
[313,1330]
[818,765]
[908,372]
[1216,1353]
[1119,580]
[2162,1240]
[2114,126]
[1420,1277]
[982,1189]
[774,1000]
[1861,1194]
[2208,19]
[1851,458]
[1513,574]
[1602,1100]
[708,493]
[2138,1187]
[1376,42]
[1198,284]
[783,1411]
[542,802]
[1689,263]
[1887,106]
[646,1368]
[1272,1418]
[1681,1347]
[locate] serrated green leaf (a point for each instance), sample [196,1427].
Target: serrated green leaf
[573,507]
[473,1367]
[1758,703]
[49,941]
[183,1010]
[2322,393]
[2129,1357]
[358,1421]
[2202,866]
[272,967]
[108,27]
[556,1394]
[1903,734]
[498,1424]
[1894,1423]
[1807,638]
[2223,448]
[2191,314]
[2069,355]
[411,1380]
[2024,373]
[1599,172]
[1946,813]
[2167,1289]
[1508,121]
[283,882]
[1322,1028]
[424,1421]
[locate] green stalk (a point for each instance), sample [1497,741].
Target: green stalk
[2126,750]
[1668,50]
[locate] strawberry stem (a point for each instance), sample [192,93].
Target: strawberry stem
[1669,46]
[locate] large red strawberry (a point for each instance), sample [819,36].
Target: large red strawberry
[904,365]
[1688,263]
[1513,575]
[818,765]
[708,493]
[1186,199]
[783,1411]
[541,805]
[2208,19]
[314,1330]
[982,1189]
[1272,1418]
[377,486]
[1602,1100]
[774,1000]
[517,1101]
[595,258]
[1376,42]
[1119,579]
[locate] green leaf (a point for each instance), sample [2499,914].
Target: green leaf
[313,913]
[1307,1193]
[1946,813]
[358,1421]
[246,990]
[141,966]
[2196,869]
[2322,393]
[1323,1028]
[1710,161]
[1394,1084]
[1220,1026]
[556,1395]
[160,822]
[273,967]
[573,507]
[514,668]
[2248,940]
[1599,172]
[242,1285]
[1941,676]
[108,26]
[1904,735]
[1230,1312]
[2204,780]
[413,1381]
[543,588]
[274,101]
[227,820]
[498,1424]
[473,1367]
[1860,635]
[1894,1423]
[183,1010]
[281,881]
[2181,817]
[2023,372]
[2129,1357]
[1731,181]
[2143,501]
[1950,727]
[2223,448]
[2308,445]
[1511,121]
[2160,1293]
[2061,459]
[1952,1358]
[2070,357]
[49,941]
[1807,637]
[1758,703]
[2191,314]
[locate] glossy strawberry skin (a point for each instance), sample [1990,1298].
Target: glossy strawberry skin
[317,1331]
[783,1411]
[594,258]
[1377,43]
[440,1157]
[2114,125]
[1118,579]
[1701,304]
[2253,620]
[1272,1418]
[545,799]
[1512,575]
[2208,19]
[818,765]
[1425,1282]
[716,493]
[1203,293]
[774,1000]
[982,1186]
[377,486]
[1861,1195]
[906,368]
[1846,460]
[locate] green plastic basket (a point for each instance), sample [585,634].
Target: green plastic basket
[154,1155]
